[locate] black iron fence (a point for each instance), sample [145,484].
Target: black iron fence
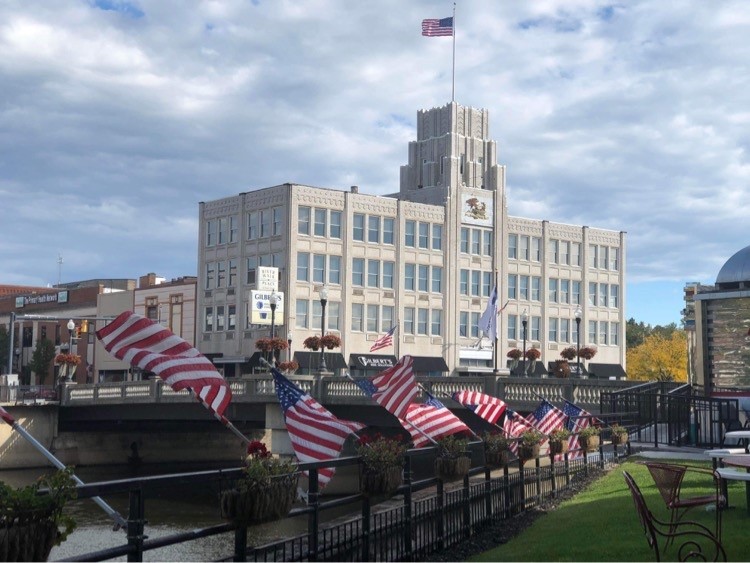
[407,528]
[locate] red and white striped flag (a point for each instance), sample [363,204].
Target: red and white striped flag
[385,340]
[6,416]
[315,432]
[547,417]
[149,346]
[394,388]
[486,406]
[432,419]
[578,419]
[515,425]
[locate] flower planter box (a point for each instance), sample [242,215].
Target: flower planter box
[558,448]
[497,459]
[30,541]
[528,452]
[619,439]
[590,443]
[260,501]
[452,469]
[384,482]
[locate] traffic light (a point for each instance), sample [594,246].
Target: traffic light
[78,331]
[84,325]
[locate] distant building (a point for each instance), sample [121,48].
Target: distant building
[425,259]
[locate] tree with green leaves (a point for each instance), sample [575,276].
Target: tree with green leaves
[41,359]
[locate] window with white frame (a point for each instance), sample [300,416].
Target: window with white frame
[553,289]
[564,330]
[212,229]
[386,317]
[409,320]
[464,282]
[423,281]
[210,273]
[437,236]
[552,329]
[523,288]
[252,268]
[266,223]
[436,325]
[358,272]
[358,227]
[319,225]
[475,324]
[373,273]
[536,287]
[465,240]
[554,251]
[476,242]
[422,321]
[563,252]
[301,313]
[410,228]
[512,327]
[334,227]
[614,295]
[603,294]
[373,229]
[358,320]
[223,230]
[512,286]
[592,293]
[220,318]
[592,332]
[536,249]
[372,318]
[221,273]
[278,219]
[487,244]
[603,332]
[319,268]
[475,282]
[208,320]
[303,220]
[424,235]
[614,333]
[388,272]
[410,273]
[536,324]
[463,324]
[232,280]
[575,253]
[513,246]
[334,270]
[333,315]
[437,279]
[231,317]
[614,259]
[388,230]
[486,283]
[565,291]
[523,250]
[576,293]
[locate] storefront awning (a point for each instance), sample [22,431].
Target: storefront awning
[607,371]
[311,360]
[231,359]
[429,363]
[371,361]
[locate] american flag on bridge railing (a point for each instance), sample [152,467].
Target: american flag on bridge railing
[485,406]
[432,420]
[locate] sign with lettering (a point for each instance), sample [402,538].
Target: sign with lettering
[368,361]
[260,308]
[39,299]
[268,278]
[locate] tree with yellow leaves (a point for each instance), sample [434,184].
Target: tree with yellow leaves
[659,358]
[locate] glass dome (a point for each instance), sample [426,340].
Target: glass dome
[735,273]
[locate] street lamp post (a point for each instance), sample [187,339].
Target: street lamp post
[323,301]
[578,314]
[17,353]
[71,328]
[273,300]
[289,348]
[524,324]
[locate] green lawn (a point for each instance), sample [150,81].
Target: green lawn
[600,524]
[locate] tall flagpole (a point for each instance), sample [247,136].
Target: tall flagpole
[494,344]
[453,85]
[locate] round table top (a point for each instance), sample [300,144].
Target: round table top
[737,461]
[738,434]
[724,452]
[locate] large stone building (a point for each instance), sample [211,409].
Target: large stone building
[425,259]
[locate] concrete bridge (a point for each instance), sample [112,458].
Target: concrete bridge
[147,421]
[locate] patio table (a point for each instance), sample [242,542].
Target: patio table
[738,461]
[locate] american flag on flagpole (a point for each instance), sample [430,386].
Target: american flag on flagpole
[578,419]
[385,340]
[547,417]
[151,347]
[394,388]
[433,419]
[316,433]
[485,406]
[437,27]
[515,425]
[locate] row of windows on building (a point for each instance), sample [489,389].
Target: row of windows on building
[564,330]
[528,288]
[563,252]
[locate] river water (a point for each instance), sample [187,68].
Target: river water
[172,511]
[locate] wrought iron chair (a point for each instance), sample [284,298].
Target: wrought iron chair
[668,478]
[694,539]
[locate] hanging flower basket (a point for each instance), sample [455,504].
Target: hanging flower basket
[381,481]
[68,359]
[587,352]
[526,453]
[562,369]
[288,367]
[558,447]
[452,469]
[330,341]
[312,343]
[619,435]
[271,344]
[568,353]
[497,459]
[496,449]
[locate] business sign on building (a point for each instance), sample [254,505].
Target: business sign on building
[260,308]
[267,278]
[39,299]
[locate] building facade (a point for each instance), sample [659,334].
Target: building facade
[425,259]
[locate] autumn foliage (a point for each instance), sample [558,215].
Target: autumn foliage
[659,358]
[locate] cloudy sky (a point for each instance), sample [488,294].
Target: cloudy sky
[118,117]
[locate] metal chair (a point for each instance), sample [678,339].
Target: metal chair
[696,542]
[668,478]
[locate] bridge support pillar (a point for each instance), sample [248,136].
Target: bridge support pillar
[276,438]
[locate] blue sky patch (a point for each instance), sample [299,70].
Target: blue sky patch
[125,8]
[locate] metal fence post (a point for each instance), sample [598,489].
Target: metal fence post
[313,517]
[408,507]
[553,469]
[135,524]
[240,543]
[440,514]
[487,495]
[506,492]
[365,528]
[467,507]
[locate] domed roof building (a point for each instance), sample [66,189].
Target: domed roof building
[722,328]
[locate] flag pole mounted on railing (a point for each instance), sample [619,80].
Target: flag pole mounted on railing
[120,522]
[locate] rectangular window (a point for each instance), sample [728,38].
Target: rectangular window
[564,252]
[554,251]
[604,257]
[301,312]
[212,228]
[464,282]
[423,282]
[437,322]
[614,295]
[317,315]
[614,334]
[564,291]
[512,286]
[358,321]
[410,272]
[277,219]
[232,273]
[523,289]
[486,283]
[536,288]
[574,332]
[358,272]
[513,246]
[220,318]
[603,332]
[564,330]
[437,279]
[422,319]
[536,324]
[373,229]
[424,235]
[593,256]
[575,253]
[603,294]
[303,221]
[252,266]
[373,273]
[253,225]
[221,273]
[536,249]
[523,250]
[437,237]
[464,240]
[231,317]
[210,273]
[512,327]
[358,227]
[333,314]
[463,323]
[592,294]
[388,230]
[614,259]
[266,222]
[208,320]
[553,286]
[334,270]
[475,282]
[386,317]
[592,332]
[552,330]
[233,228]
[223,228]
[334,229]
[410,233]
[575,297]
[320,223]
[487,244]
[388,271]
[476,241]
[475,324]
[409,320]
[372,318]
[319,268]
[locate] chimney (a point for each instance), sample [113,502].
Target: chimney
[148,280]
[355,189]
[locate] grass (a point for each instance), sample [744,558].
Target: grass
[601,524]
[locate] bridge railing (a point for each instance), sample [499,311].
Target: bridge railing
[521,392]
